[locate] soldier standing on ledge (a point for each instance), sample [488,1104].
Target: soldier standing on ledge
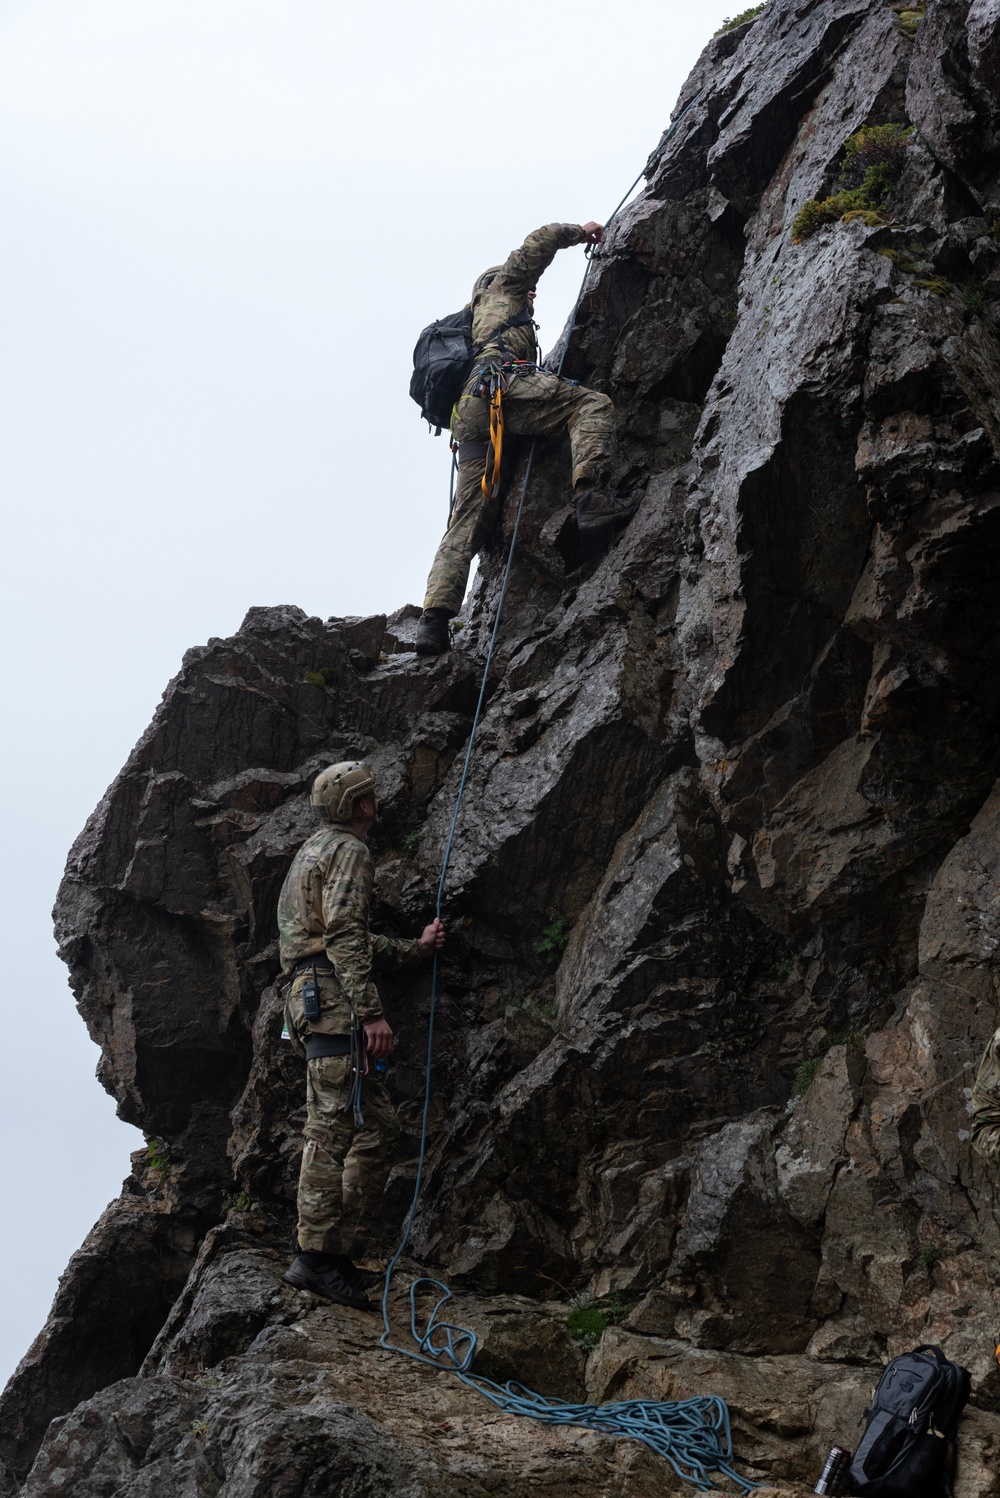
[335,1018]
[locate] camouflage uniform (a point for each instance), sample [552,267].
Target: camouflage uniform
[536,404]
[986,1103]
[323,912]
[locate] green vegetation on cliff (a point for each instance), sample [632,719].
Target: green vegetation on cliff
[873,161]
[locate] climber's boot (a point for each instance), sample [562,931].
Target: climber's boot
[319,1273]
[359,1279]
[599,516]
[432,632]
[597,509]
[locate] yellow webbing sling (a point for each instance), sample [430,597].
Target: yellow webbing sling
[494,453]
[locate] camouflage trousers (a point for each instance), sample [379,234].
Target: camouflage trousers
[343,1169]
[536,405]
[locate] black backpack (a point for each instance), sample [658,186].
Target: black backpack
[908,1448]
[443,360]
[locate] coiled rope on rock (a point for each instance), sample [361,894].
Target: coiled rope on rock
[693,1435]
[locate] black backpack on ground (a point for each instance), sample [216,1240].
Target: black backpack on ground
[443,360]
[908,1448]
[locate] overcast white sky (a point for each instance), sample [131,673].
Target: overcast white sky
[225,222]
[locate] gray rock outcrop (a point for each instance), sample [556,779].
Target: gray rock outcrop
[723,901]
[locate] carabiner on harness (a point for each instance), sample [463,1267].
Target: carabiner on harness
[359,1070]
[495,381]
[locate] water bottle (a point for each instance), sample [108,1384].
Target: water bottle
[834,1471]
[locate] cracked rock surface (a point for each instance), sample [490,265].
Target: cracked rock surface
[723,903]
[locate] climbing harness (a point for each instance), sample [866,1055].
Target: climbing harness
[693,1435]
[497,384]
[493,381]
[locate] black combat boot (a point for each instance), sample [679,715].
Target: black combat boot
[597,509]
[320,1274]
[359,1279]
[432,632]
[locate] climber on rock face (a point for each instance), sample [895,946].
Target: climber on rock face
[535,403]
[986,1103]
[334,1015]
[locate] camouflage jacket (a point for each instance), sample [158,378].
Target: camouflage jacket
[507,293]
[324,908]
[986,1103]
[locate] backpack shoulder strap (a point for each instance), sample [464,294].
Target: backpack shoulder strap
[519,320]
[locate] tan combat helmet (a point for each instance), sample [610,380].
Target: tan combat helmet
[336,789]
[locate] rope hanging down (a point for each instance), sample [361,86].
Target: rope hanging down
[693,1435]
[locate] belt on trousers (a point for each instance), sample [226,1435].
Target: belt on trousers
[318,1046]
[320,963]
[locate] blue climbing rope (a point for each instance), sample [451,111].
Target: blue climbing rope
[693,1435]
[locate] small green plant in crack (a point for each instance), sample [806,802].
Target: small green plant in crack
[867,216]
[158,1155]
[806,1070]
[921,265]
[671,456]
[731,22]
[239,1203]
[586,1324]
[974,296]
[909,18]
[411,842]
[783,967]
[322,678]
[901,261]
[873,161]
[804,1073]
[930,1255]
[553,939]
[200,1428]
[618,1305]
[816,213]
[911,263]
[545,1009]
[843,1037]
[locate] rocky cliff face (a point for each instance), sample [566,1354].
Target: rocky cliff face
[723,902]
